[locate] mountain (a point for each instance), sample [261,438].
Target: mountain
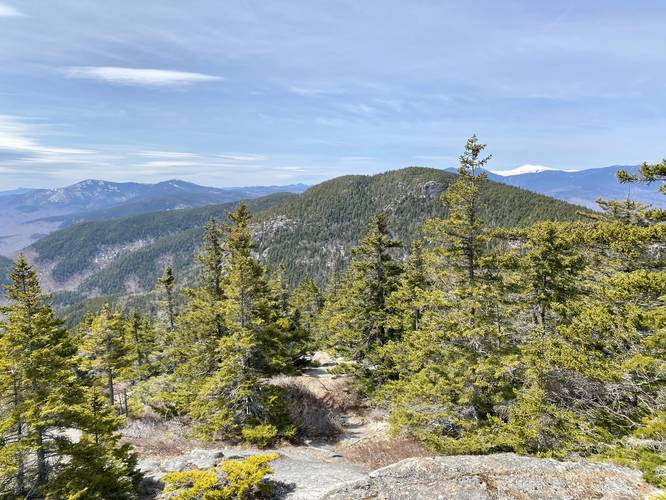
[310,232]
[32,214]
[13,192]
[5,266]
[581,187]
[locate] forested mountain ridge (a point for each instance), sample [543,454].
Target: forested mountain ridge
[538,338]
[30,215]
[307,233]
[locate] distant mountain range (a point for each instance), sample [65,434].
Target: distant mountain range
[308,233]
[581,187]
[30,214]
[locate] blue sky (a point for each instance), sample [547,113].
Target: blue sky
[238,92]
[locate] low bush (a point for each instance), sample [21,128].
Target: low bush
[260,435]
[232,479]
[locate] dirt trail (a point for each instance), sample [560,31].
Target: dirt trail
[304,471]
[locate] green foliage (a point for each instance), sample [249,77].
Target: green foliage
[44,391]
[232,479]
[99,467]
[357,318]
[260,435]
[235,329]
[5,267]
[309,234]
[105,347]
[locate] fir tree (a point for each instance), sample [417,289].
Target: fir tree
[456,366]
[140,345]
[357,319]
[167,283]
[37,358]
[306,300]
[105,347]
[234,397]
[98,467]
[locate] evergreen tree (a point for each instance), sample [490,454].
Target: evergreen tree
[43,396]
[357,320]
[306,300]
[200,325]
[140,339]
[550,281]
[406,302]
[234,398]
[105,347]
[649,174]
[37,358]
[167,283]
[98,467]
[456,366]
[287,344]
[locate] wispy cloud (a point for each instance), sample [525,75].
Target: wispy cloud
[241,157]
[9,11]
[142,77]
[167,154]
[16,138]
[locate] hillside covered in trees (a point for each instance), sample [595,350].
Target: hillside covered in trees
[477,318]
[311,233]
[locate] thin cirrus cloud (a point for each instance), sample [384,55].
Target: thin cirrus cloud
[142,77]
[9,11]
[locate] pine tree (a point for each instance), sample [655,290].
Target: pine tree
[167,283]
[234,397]
[140,346]
[105,347]
[98,467]
[455,368]
[306,300]
[357,320]
[37,359]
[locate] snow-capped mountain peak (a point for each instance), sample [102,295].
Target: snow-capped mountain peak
[526,169]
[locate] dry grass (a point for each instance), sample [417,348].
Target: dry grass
[374,454]
[314,413]
[153,436]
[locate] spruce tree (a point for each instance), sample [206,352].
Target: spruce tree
[105,347]
[44,395]
[192,355]
[140,345]
[234,398]
[306,300]
[98,466]
[167,283]
[357,320]
[37,359]
[456,366]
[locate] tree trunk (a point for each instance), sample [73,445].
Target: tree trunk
[42,470]
[112,398]
[20,465]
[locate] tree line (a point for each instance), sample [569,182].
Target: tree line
[544,340]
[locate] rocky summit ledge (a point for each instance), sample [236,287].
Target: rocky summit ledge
[500,476]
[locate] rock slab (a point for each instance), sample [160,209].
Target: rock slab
[499,476]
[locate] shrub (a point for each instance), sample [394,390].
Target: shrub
[232,479]
[260,435]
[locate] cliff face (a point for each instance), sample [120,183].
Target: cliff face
[500,476]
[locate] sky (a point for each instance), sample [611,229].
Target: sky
[256,92]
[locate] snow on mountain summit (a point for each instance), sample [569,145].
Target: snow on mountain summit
[528,169]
